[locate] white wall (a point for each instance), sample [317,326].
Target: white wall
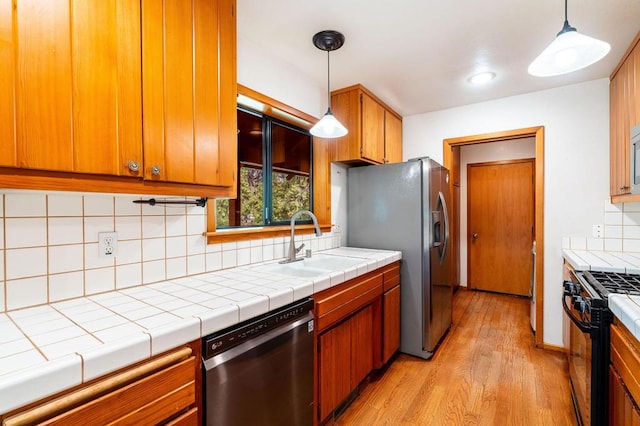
[482,153]
[576,121]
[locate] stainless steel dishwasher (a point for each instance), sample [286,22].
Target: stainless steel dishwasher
[260,372]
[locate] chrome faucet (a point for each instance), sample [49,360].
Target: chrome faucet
[293,250]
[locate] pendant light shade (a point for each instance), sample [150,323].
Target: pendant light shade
[568,52]
[328,126]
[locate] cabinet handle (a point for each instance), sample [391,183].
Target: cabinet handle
[624,188]
[155,170]
[133,166]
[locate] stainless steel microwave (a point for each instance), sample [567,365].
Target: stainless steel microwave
[635,159]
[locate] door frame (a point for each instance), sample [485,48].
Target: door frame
[451,160]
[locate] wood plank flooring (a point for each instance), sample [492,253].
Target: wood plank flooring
[487,371]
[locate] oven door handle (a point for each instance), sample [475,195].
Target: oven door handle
[584,327]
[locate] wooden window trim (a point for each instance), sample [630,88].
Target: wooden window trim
[322,183]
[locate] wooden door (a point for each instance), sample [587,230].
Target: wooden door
[500,226]
[392,138]
[189,91]
[372,147]
[334,365]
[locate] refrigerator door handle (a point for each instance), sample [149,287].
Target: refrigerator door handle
[442,201]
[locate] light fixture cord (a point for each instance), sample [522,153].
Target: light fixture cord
[328,83]
[565,11]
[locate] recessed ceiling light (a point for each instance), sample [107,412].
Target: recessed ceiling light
[481,78]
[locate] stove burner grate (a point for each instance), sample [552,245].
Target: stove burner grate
[614,282]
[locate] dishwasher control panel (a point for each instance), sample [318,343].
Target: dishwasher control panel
[234,335]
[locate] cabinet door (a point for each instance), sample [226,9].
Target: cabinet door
[361,345]
[72,70]
[188,79]
[7,85]
[334,364]
[372,147]
[392,138]
[622,409]
[390,323]
[106,86]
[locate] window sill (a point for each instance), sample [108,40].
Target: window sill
[266,232]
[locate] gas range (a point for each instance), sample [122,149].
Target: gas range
[585,301]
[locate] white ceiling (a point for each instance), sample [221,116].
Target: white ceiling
[416,55]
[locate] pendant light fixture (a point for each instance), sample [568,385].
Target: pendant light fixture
[328,126]
[570,51]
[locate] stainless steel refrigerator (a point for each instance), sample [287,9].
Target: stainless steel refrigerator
[403,206]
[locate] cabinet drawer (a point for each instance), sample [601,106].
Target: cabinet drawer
[148,393]
[625,357]
[391,276]
[336,303]
[190,418]
[149,400]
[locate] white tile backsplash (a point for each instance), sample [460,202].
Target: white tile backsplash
[153,227]
[25,204]
[25,232]
[99,280]
[65,230]
[68,205]
[66,258]
[27,262]
[98,205]
[128,227]
[66,286]
[49,250]
[26,292]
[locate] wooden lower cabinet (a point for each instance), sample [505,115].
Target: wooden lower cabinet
[390,323]
[334,364]
[624,377]
[357,331]
[162,390]
[623,410]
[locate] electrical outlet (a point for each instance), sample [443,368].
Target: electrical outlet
[597,231]
[108,244]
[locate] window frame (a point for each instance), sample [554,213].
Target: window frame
[321,175]
[268,170]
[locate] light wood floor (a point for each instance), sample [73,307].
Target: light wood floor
[486,372]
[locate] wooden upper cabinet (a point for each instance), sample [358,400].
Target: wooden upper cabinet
[372,143]
[375,130]
[189,91]
[71,75]
[392,137]
[624,110]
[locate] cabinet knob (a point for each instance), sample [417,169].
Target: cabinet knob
[133,166]
[155,170]
[475,235]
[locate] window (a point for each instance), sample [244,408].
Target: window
[274,173]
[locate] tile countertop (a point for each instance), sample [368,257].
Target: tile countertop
[49,348]
[625,307]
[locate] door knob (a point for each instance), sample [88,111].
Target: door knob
[475,235]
